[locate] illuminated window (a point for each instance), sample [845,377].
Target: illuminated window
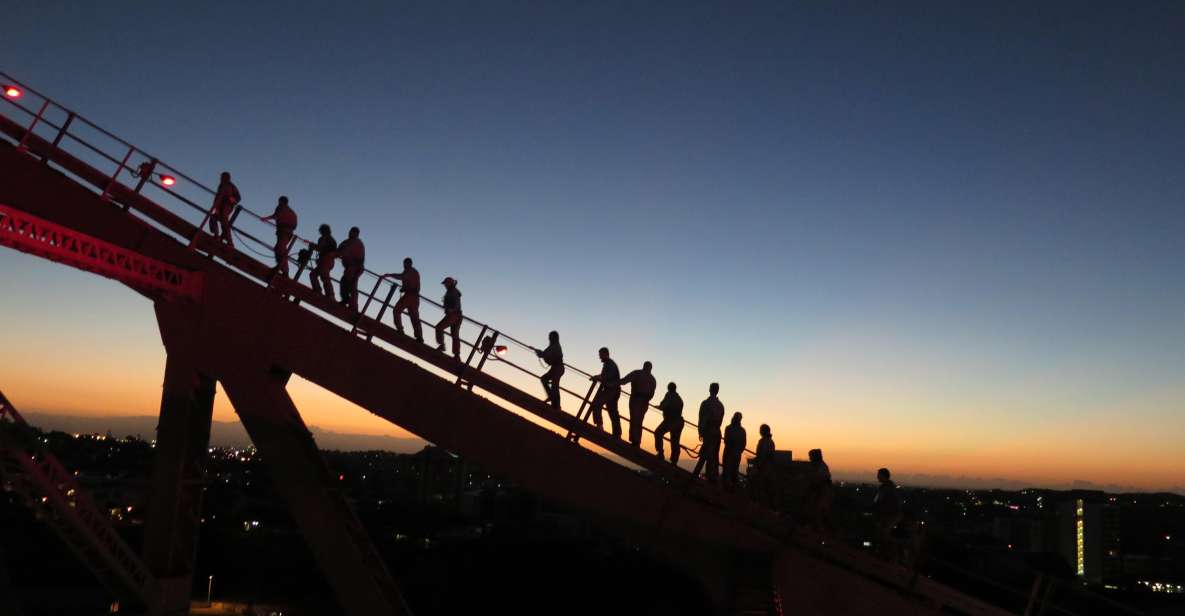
[1080,523]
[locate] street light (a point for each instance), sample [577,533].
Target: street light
[209,591]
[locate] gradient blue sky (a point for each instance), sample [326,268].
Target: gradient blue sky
[942,238]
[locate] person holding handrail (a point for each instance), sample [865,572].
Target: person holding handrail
[553,356]
[409,299]
[734,445]
[452,317]
[672,421]
[711,415]
[353,255]
[285,220]
[225,199]
[642,386]
[608,394]
[326,247]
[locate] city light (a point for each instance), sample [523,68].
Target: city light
[167,180]
[13,92]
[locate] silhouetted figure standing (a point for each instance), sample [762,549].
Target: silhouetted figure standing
[734,445]
[608,394]
[452,317]
[820,492]
[285,220]
[225,199]
[326,248]
[353,255]
[672,421]
[762,478]
[886,510]
[553,356]
[642,388]
[711,415]
[409,299]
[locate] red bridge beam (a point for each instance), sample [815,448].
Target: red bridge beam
[42,238]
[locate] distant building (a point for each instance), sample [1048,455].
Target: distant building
[1026,533]
[1090,540]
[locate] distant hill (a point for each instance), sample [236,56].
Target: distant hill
[222,433]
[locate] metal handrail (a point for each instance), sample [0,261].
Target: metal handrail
[207,212]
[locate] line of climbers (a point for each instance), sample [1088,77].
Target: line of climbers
[352,254]
[642,389]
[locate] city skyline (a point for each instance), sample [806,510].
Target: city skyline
[850,270]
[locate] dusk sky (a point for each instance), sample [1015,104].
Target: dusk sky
[946,238]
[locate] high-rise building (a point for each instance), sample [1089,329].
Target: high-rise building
[1091,540]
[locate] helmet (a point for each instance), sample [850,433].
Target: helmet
[449,282]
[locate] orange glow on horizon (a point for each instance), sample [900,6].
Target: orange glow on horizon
[107,360]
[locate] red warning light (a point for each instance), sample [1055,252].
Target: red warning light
[167,180]
[12,92]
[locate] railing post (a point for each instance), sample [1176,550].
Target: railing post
[580,411]
[201,228]
[61,133]
[21,147]
[369,298]
[106,196]
[383,309]
[485,354]
[472,352]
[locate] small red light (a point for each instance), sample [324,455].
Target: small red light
[167,180]
[12,92]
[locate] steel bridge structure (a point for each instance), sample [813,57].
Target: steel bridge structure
[77,194]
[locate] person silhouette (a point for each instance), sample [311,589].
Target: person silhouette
[820,492]
[886,510]
[765,446]
[553,356]
[734,447]
[608,394]
[352,252]
[762,476]
[225,199]
[711,415]
[326,248]
[409,299]
[452,317]
[642,388]
[672,422]
[285,220]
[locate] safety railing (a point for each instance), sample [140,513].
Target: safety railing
[162,182]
